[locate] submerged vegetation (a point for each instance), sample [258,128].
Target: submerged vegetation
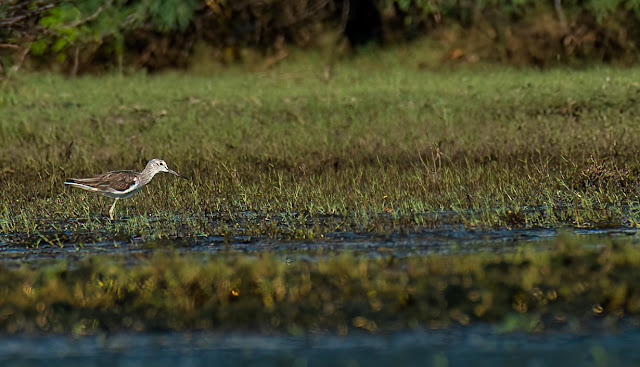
[571,287]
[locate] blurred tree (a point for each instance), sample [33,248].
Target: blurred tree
[162,32]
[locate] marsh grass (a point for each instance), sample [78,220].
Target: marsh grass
[570,285]
[376,146]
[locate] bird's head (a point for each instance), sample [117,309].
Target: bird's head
[158,165]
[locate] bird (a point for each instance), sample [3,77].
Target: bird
[121,184]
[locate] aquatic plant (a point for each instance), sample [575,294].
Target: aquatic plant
[570,282]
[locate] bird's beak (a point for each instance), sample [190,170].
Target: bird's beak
[175,173]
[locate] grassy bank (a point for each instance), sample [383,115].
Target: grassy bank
[569,286]
[371,144]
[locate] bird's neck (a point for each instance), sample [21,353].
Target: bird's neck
[147,175]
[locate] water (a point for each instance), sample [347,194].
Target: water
[446,240]
[477,345]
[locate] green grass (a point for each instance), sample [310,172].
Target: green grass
[375,145]
[568,286]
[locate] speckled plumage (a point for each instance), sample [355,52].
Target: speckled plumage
[121,184]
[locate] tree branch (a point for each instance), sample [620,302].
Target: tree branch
[89,18]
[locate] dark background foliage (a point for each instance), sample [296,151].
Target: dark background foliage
[94,35]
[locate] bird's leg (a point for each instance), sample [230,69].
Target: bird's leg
[112,207]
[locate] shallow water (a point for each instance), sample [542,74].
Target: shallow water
[445,240]
[477,345]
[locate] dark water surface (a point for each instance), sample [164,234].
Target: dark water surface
[445,240]
[477,345]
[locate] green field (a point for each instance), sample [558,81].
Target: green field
[373,146]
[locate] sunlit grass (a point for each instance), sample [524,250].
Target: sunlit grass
[371,141]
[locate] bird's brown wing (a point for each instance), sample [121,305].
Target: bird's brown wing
[110,181]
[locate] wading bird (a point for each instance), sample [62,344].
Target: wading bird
[121,184]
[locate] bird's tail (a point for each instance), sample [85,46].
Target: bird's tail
[77,183]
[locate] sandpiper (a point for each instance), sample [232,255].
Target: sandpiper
[121,184]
